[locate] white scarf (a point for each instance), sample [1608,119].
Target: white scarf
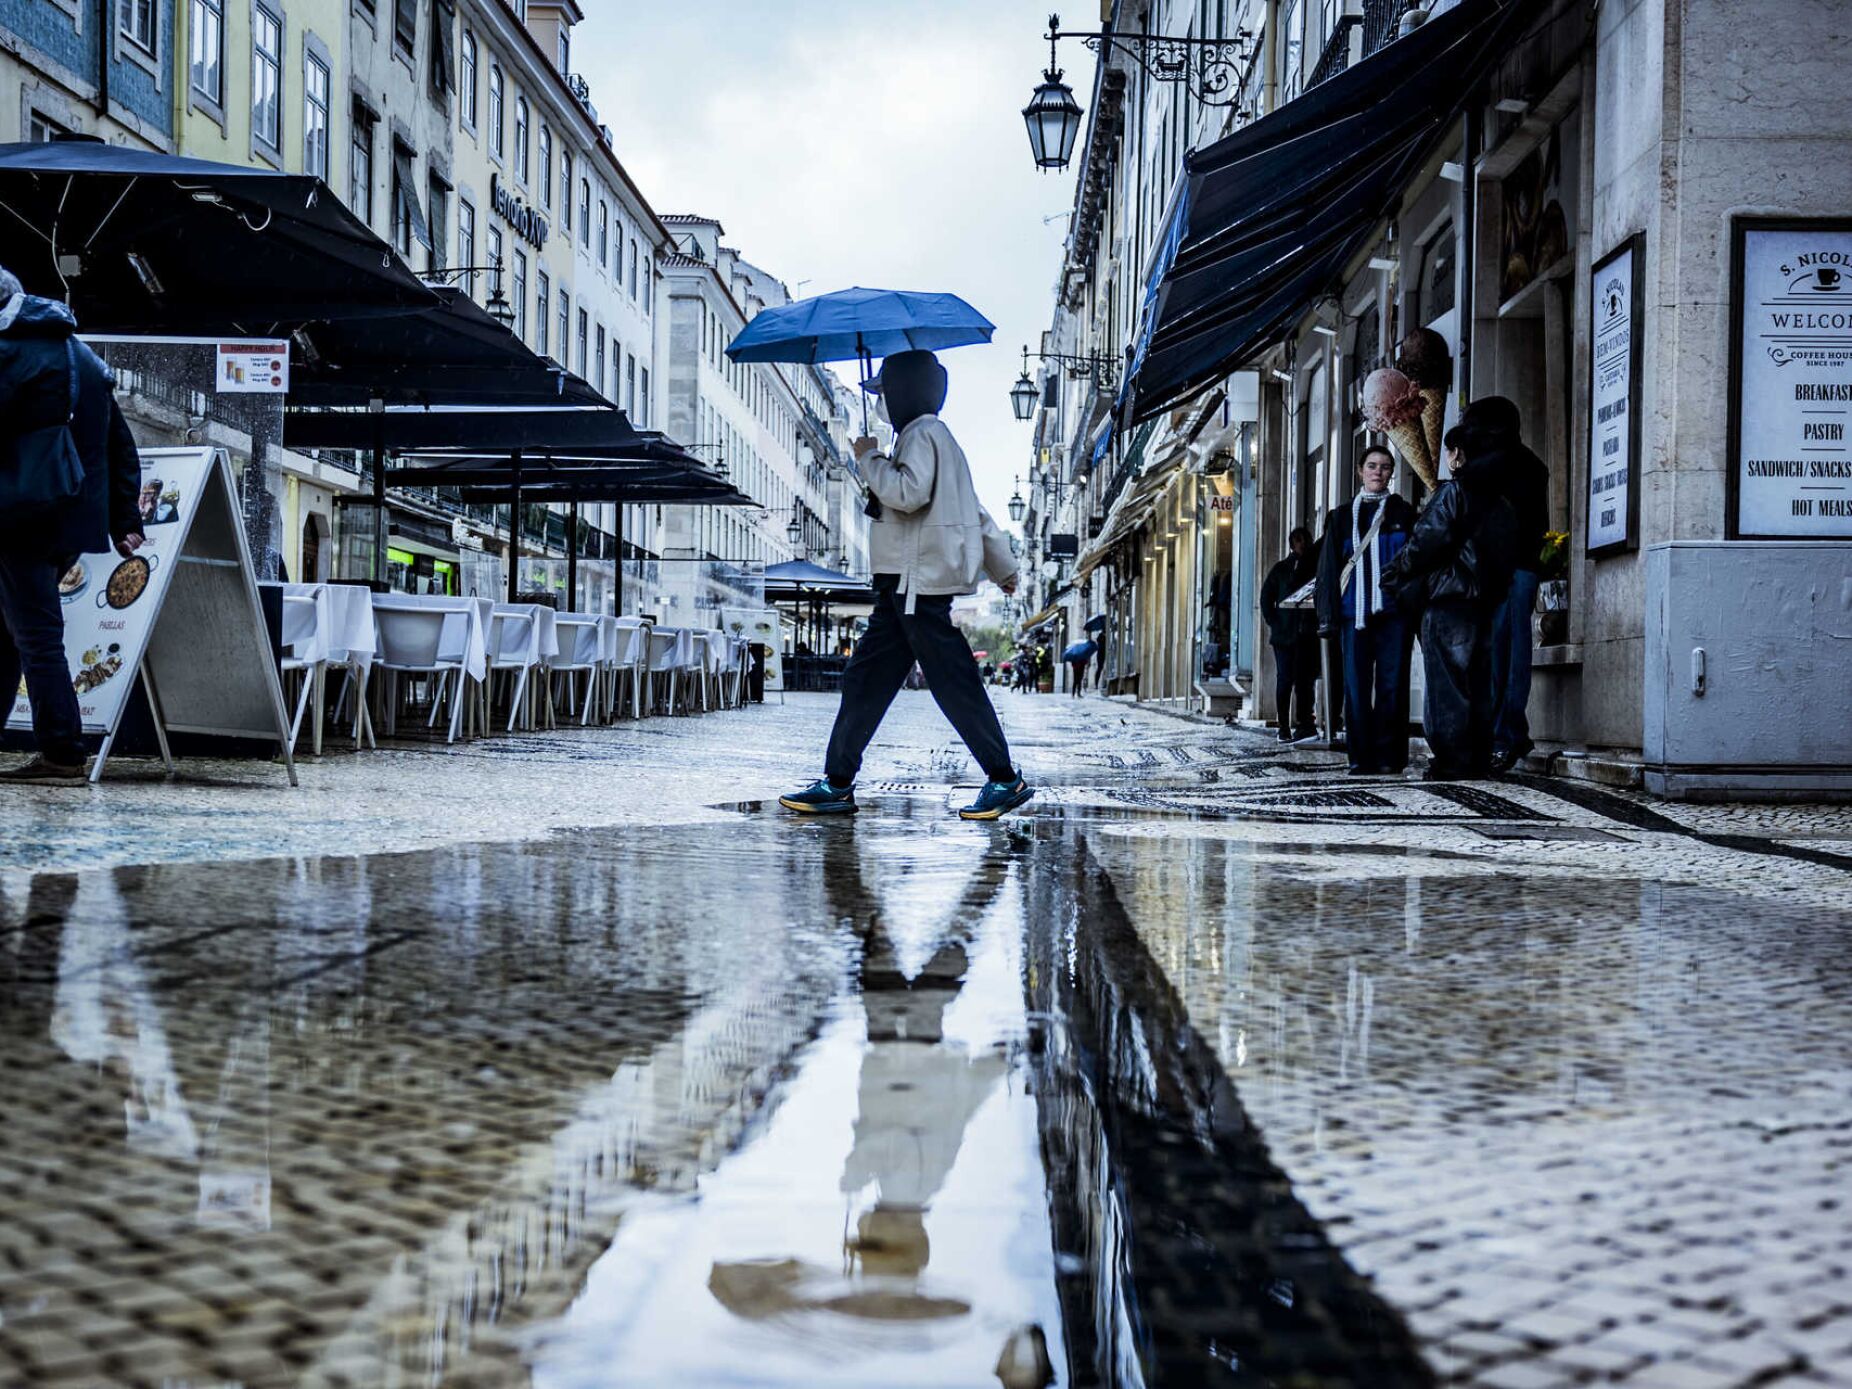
[1369,600]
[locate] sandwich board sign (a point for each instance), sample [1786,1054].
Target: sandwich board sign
[180,618]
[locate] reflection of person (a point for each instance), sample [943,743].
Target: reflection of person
[1359,540]
[1524,480]
[1291,633]
[1456,566]
[931,541]
[39,357]
[154,511]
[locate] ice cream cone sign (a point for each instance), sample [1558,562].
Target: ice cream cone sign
[1393,404]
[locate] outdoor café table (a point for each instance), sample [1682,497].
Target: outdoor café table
[523,637]
[463,640]
[328,625]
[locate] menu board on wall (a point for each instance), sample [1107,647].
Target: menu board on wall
[1614,400]
[110,603]
[1791,380]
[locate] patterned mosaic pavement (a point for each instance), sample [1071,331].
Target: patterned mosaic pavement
[564,1061]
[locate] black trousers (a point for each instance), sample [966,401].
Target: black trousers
[893,642]
[1456,655]
[1295,671]
[32,643]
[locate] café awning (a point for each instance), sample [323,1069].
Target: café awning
[453,354]
[1270,216]
[536,432]
[141,242]
[801,579]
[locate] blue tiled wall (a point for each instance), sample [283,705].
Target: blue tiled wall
[45,28]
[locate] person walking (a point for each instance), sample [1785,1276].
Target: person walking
[1456,569]
[1524,480]
[1294,639]
[1077,657]
[1360,540]
[929,540]
[48,381]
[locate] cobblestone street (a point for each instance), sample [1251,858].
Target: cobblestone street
[572,1060]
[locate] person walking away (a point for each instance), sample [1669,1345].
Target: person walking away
[930,541]
[1295,645]
[49,378]
[1524,480]
[1359,541]
[1456,568]
[1077,656]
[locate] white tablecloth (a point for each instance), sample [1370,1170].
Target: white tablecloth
[536,633]
[466,621]
[342,632]
[573,644]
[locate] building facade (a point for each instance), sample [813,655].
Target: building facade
[1631,228]
[103,68]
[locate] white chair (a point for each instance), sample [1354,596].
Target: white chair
[581,652]
[630,667]
[666,659]
[512,650]
[305,655]
[411,642]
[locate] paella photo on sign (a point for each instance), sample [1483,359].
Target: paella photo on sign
[128,581]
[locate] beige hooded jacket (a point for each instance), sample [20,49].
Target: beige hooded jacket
[933,532]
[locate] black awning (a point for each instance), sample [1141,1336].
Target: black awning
[186,247]
[534,432]
[454,354]
[1270,216]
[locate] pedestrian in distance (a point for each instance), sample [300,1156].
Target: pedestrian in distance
[55,395]
[1293,636]
[1456,569]
[1524,480]
[929,540]
[1077,658]
[1360,540]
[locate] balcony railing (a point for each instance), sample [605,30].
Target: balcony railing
[1336,56]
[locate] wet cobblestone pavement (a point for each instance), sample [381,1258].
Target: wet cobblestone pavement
[566,1061]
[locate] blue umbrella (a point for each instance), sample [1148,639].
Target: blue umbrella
[857,324]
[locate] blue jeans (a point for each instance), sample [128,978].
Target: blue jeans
[1511,665]
[1376,693]
[32,639]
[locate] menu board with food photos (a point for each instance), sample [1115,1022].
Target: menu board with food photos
[110,602]
[182,609]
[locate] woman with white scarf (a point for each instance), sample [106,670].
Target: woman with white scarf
[1360,539]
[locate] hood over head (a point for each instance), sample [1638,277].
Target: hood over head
[912,384]
[27,315]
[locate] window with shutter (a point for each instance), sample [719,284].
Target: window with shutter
[405,24]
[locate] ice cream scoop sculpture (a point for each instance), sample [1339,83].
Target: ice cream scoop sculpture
[1425,359]
[1393,404]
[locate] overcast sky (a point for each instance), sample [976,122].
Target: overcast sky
[846,142]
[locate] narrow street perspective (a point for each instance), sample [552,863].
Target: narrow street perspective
[680,714]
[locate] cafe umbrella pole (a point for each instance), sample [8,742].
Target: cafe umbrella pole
[379,499]
[572,558]
[514,528]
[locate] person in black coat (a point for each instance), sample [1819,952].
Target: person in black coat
[1456,569]
[1293,636]
[39,356]
[1524,480]
[1360,540]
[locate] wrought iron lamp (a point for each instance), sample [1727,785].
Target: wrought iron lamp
[1017,505]
[1052,115]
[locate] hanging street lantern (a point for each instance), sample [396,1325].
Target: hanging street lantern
[1023,396]
[1052,115]
[1017,505]
[794,530]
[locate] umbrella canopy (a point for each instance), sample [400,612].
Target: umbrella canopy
[801,579]
[535,432]
[454,353]
[1096,623]
[188,247]
[857,324]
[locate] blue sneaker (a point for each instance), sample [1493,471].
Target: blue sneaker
[997,799]
[820,798]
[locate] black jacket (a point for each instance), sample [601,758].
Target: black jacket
[35,394]
[1286,625]
[1329,596]
[1462,547]
[1524,481]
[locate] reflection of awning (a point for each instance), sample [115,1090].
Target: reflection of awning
[1270,216]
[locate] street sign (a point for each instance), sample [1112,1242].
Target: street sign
[182,614]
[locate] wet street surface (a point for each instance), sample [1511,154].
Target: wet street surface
[590,1067]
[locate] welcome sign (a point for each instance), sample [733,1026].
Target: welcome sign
[1791,449]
